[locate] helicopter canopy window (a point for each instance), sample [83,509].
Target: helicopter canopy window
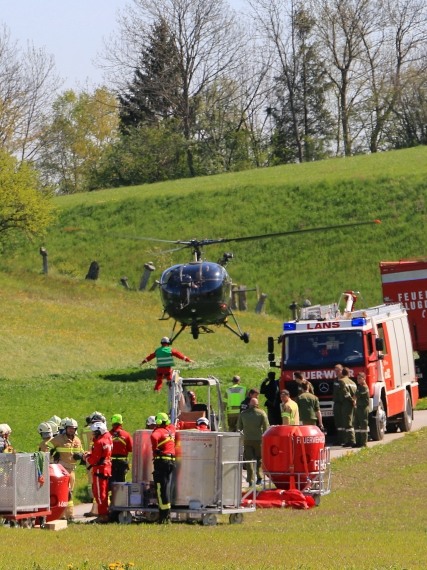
[203,276]
[325,349]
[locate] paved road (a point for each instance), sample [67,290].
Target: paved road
[420,421]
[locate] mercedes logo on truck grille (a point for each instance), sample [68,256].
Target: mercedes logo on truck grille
[324,387]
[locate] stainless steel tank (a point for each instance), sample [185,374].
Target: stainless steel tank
[142,457]
[207,471]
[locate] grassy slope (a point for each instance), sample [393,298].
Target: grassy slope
[373,519]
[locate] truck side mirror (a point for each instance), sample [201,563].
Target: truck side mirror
[270,344]
[379,344]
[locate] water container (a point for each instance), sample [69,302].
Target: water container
[59,480]
[291,453]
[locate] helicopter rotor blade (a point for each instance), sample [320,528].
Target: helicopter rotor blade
[139,238]
[288,233]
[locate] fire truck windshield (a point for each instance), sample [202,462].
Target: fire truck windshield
[322,349]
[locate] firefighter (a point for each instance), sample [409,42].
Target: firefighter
[5,445]
[289,409]
[345,396]
[337,407]
[252,423]
[99,461]
[309,407]
[164,355]
[299,379]
[150,422]
[270,389]
[122,446]
[202,424]
[252,393]
[54,427]
[234,396]
[361,411]
[163,446]
[67,451]
[87,438]
[45,431]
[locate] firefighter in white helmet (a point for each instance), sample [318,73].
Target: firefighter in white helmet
[45,431]
[202,424]
[99,461]
[164,355]
[67,450]
[5,445]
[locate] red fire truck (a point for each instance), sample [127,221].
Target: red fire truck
[406,282]
[376,341]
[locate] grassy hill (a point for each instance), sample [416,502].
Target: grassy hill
[390,186]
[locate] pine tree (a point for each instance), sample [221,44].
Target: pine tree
[303,123]
[153,94]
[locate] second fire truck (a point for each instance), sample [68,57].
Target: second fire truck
[375,341]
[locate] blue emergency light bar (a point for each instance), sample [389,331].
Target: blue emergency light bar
[358,322]
[289,326]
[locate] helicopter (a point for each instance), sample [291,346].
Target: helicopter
[198,294]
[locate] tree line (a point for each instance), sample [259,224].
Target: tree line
[194,88]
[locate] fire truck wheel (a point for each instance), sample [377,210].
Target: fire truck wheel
[406,423]
[377,421]
[236,518]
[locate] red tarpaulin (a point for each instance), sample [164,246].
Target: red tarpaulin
[279,498]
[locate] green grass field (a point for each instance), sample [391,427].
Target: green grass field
[373,519]
[70,346]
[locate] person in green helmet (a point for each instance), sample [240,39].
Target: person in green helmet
[164,455]
[122,447]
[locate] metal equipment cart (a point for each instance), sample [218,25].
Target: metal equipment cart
[208,481]
[24,488]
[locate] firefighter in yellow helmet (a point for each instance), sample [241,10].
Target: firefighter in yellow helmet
[67,450]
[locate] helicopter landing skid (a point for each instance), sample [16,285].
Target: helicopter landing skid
[242,335]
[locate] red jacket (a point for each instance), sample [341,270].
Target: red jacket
[163,441]
[100,456]
[122,442]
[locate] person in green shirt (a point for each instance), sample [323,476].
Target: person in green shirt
[253,422]
[309,407]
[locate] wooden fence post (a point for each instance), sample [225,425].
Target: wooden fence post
[148,269]
[93,272]
[43,253]
[261,302]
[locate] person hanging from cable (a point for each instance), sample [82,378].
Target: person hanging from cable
[164,355]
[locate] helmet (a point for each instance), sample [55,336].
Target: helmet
[62,424]
[5,429]
[151,421]
[99,426]
[117,419]
[53,426]
[165,340]
[55,419]
[97,417]
[202,421]
[162,418]
[45,429]
[69,422]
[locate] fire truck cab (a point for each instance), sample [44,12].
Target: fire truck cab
[375,341]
